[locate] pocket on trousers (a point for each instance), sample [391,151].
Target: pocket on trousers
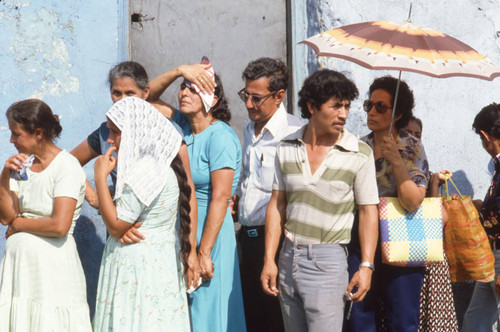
[329,263]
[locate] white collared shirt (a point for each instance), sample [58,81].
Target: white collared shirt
[257,171]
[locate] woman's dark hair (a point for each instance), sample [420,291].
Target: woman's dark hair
[323,85]
[488,120]
[406,101]
[31,114]
[418,121]
[274,69]
[130,69]
[184,210]
[220,111]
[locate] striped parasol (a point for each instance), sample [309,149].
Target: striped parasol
[403,46]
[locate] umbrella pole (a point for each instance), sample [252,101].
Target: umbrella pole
[395,103]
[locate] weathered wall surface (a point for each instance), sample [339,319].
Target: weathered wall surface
[230,33]
[61,52]
[446,106]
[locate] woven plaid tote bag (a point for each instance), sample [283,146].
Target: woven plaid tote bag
[411,239]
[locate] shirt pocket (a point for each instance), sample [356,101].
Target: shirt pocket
[266,175]
[340,191]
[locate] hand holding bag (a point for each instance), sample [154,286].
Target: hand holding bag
[411,239]
[465,241]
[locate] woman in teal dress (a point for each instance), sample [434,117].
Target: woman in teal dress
[215,157]
[141,286]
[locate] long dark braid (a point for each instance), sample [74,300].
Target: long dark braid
[184,209]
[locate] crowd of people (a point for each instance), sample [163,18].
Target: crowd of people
[304,192]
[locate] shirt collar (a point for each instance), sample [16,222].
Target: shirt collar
[275,123]
[347,142]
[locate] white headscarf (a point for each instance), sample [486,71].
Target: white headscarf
[149,143]
[207,99]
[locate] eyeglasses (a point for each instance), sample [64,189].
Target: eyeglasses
[380,106]
[256,99]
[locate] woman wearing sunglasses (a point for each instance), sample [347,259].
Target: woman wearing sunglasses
[402,171]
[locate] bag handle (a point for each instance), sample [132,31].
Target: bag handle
[447,178]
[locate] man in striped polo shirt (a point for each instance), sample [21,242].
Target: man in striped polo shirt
[323,174]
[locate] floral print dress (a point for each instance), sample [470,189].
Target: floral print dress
[140,285]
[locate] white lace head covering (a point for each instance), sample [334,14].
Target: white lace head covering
[149,143]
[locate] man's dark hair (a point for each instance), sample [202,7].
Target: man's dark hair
[406,101]
[488,120]
[323,85]
[274,69]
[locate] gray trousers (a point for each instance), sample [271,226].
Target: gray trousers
[312,282]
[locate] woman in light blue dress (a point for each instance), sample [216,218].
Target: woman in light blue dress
[215,157]
[141,286]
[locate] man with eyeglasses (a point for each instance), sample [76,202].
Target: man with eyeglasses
[266,81]
[323,174]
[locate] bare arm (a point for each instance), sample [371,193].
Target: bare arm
[438,179]
[56,225]
[275,220]
[410,195]
[9,208]
[368,238]
[221,180]
[193,73]
[103,166]
[84,153]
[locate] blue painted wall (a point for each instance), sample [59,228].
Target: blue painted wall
[61,52]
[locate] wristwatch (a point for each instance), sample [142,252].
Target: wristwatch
[367,264]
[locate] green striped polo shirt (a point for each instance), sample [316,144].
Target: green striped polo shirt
[320,206]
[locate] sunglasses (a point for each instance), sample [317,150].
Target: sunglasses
[380,106]
[188,85]
[256,99]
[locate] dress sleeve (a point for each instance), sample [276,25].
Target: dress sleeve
[69,178]
[365,183]
[94,139]
[128,207]
[223,151]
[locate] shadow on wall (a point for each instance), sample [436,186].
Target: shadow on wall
[462,182]
[90,247]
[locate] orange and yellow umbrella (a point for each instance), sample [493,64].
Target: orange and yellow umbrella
[403,46]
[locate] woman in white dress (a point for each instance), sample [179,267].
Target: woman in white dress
[42,285]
